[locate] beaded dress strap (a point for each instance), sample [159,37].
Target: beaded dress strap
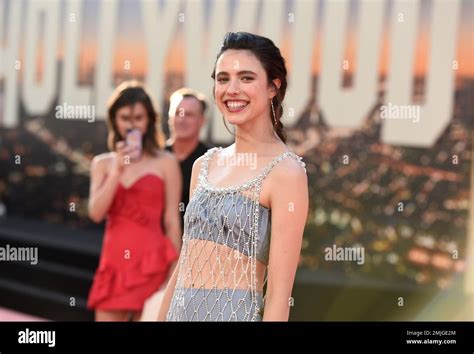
[202,178]
[279,158]
[207,157]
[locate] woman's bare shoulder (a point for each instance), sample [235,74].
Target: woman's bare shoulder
[165,155]
[103,160]
[167,162]
[289,170]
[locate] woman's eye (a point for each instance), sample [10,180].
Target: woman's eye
[222,79]
[247,78]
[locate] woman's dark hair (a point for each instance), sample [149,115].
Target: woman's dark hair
[274,64]
[127,94]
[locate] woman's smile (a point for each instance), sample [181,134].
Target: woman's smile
[236,106]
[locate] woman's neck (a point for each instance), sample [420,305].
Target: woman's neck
[260,139]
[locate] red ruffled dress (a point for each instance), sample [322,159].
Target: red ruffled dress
[136,254]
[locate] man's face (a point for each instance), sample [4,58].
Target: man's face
[188,119]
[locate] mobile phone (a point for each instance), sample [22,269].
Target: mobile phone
[134,138]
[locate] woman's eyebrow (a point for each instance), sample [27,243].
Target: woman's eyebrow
[243,72]
[246,72]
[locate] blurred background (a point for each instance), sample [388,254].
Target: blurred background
[393,181]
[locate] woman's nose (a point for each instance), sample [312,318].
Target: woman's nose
[233,87]
[129,125]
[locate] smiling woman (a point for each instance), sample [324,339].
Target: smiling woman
[228,268]
[256,65]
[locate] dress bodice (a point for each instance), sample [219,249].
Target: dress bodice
[141,202]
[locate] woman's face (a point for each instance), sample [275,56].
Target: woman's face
[129,117]
[241,89]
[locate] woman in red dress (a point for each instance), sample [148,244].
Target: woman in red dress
[138,191]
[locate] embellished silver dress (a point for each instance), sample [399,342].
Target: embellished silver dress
[226,233]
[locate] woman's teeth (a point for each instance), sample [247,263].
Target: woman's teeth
[236,105]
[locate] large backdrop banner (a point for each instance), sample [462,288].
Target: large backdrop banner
[379,104]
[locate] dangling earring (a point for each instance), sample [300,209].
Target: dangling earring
[273,111]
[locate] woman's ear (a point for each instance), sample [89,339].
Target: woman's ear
[275,87]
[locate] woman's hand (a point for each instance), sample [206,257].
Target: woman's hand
[122,157]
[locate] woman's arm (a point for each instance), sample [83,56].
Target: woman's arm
[289,212]
[173,185]
[165,303]
[101,193]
